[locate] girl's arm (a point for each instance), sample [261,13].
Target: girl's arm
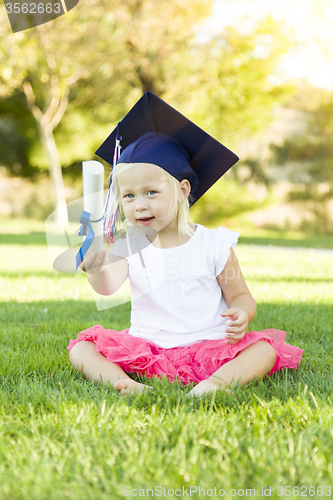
[105,278]
[241,304]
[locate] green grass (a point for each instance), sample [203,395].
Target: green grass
[62,437]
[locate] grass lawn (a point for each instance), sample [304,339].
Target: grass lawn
[62,437]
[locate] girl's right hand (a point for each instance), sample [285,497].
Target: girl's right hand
[94,263]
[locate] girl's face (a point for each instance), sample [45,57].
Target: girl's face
[145,195]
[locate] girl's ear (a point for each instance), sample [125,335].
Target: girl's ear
[185,189]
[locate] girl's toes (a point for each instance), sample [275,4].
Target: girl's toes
[121,385]
[130,386]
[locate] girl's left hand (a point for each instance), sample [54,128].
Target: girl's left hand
[236,328]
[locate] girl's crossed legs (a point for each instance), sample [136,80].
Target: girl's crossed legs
[95,366]
[252,363]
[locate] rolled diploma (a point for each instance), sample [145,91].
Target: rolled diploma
[93,199]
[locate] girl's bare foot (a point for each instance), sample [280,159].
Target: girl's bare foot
[129,386]
[205,386]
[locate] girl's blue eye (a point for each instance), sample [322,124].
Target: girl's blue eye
[130,195]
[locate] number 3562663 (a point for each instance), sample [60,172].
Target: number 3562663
[32,8]
[304,491]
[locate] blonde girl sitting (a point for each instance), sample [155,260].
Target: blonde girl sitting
[191,307]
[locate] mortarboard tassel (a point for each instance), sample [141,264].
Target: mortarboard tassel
[111,212]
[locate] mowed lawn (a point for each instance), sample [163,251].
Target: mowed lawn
[62,437]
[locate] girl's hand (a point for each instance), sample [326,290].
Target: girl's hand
[236,328]
[94,263]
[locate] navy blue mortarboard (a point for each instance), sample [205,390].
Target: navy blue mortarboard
[154,132]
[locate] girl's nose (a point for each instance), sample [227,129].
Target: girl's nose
[141,204]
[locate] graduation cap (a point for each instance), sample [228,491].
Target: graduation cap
[154,132]
[172,142]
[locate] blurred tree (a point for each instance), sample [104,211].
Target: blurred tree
[231,78]
[110,52]
[226,199]
[236,91]
[310,158]
[29,65]
[98,70]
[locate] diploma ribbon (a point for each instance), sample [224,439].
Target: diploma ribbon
[85,230]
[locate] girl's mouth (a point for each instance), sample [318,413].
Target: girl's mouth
[146,220]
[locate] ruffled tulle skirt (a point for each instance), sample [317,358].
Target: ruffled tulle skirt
[188,364]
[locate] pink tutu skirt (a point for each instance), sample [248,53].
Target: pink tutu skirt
[188,364]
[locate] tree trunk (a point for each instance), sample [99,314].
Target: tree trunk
[58,188]
[46,123]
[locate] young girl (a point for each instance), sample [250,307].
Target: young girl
[190,304]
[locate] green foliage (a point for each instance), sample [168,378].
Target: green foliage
[113,56]
[254,172]
[107,62]
[314,148]
[316,203]
[233,88]
[18,133]
[233,99]
[225,199]
[311,156]
[62,437]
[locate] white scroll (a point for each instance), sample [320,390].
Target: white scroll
[93,196]
[92,202]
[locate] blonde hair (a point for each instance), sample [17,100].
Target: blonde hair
[183,216]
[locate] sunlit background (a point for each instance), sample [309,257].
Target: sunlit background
[256,74]
[311,23]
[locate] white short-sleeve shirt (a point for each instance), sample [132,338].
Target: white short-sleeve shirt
[176,298]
